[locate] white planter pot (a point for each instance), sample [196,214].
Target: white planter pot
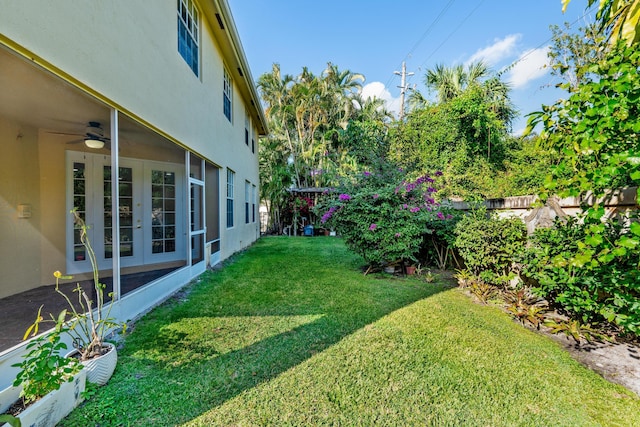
[100,369]
[53,407]
[8,396]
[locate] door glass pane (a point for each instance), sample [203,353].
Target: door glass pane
[197,248]
[125,187]
[196,207]
[195,166]
[163,215]
[79,203]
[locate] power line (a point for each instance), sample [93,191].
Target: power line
[428,30]
[421,39]
[453,32]
[514,63]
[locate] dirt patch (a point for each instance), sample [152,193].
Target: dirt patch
[616,362]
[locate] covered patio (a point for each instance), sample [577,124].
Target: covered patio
[65,147]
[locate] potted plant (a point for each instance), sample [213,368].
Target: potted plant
[48,385]
[89,321]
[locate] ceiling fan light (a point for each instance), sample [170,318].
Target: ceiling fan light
[94,143]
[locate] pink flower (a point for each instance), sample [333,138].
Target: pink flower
[440,215]
[415,209]
[375,196]
[344,197]
[373,227]
[398,235]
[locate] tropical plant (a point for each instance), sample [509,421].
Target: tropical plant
[43,369]
[464,277]
[585,276]
[576,330]
[314,139]
[618,19]
[88,321]
[594,135]
[525,306]
[483,291]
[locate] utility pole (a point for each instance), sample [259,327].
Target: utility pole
[403,86]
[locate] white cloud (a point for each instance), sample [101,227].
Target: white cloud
[378,90]
[532,64]
[500,49]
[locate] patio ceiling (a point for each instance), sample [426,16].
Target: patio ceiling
[35,97]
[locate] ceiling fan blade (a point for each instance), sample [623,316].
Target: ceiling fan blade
[63,133]
[76,141]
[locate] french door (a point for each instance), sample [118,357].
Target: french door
[150,216]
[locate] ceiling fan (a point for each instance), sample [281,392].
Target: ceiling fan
[92,138]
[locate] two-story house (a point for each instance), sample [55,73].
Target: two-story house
[144,117]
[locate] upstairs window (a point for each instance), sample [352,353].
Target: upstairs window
[227,95]
[188,33]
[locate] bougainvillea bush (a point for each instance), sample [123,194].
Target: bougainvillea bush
[383,215]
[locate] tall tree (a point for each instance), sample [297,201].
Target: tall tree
[306,115]
[449,82]
[571,53]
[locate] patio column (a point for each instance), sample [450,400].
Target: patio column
[115,205]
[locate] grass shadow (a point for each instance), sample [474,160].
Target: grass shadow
[272,308]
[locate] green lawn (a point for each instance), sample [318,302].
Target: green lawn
[291,333]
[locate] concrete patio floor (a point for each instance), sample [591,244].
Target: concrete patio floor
[18,312]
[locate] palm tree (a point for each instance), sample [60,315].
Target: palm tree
[417,101]
[275,91]
[446,81]
[370,109]
[450,82]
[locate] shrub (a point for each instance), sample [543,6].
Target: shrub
[383,216]
[488,245]
[439,244]
[588,277]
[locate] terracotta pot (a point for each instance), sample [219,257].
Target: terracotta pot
[410,269]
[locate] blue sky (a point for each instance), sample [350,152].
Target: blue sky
[374,37]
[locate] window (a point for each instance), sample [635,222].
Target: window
[230,178]
[247,122]
[247,201]
[188,33]
[253,207]
[227,95]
